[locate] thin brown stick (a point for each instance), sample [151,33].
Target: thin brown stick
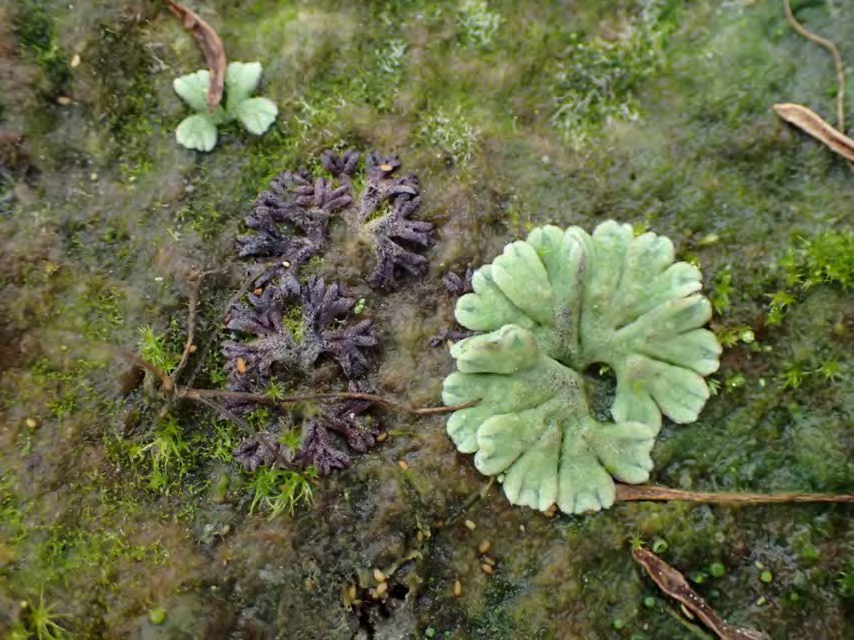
[228,415]
[166,383]
[206,395]
[211,47]
[279,403]
[674,584]
[630,493]
[837,61]
[193,305]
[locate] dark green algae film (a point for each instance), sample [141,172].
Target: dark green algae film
[124,516]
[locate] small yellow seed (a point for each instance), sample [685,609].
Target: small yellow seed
[192,348]
[386,167]
[241,365]
[258,291]
[382,437]
[471,526]
[486,568]
[32,424]
[489,561]
[484,546]
[379,576]
[64,100]
[402,464]
[382,587]
[458,588]
[75,61]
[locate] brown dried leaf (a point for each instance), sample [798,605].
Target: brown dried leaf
[211,47]
[674,584]
[812,123]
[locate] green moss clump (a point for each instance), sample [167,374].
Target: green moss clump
[827,258]
[34,29]
[599,79]
[279,491]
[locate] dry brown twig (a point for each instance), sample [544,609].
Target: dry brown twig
[211,47]
[674,584]
[645,492]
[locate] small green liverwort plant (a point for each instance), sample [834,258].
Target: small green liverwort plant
[199,131]
[553,305]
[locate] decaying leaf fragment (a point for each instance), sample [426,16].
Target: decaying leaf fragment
[211,47]
[676,586]
[813,124]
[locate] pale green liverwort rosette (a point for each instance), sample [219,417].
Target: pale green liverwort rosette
[199,131]
[555,304]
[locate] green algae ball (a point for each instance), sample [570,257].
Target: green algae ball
[157,615]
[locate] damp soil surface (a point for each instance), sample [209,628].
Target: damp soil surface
[125,516]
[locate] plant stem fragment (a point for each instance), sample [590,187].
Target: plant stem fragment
[211,47]
[206,396]
[813,124]
[674,585]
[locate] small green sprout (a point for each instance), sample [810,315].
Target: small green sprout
[169,454]
[793,376]
[722,288]
[731,336]
[40,619]
[829,370]
[152,347]
[275,391]
[198,131]
[292,439]
[636,541]
[717,570]
[780,301]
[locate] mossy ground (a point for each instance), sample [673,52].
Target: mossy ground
[513,114]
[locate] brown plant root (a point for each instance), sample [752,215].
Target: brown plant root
[837,61]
